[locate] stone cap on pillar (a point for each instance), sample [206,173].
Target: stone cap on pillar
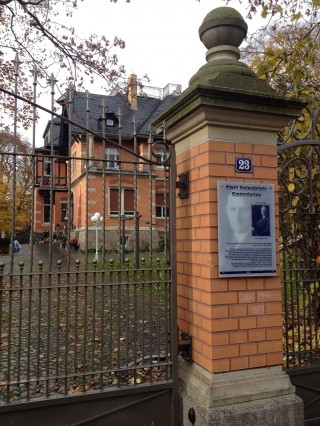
[224,82]
[222,32]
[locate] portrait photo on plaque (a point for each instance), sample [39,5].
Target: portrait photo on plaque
[261,220]
[246,229]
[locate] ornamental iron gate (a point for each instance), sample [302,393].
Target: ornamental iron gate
[299,199]
[87,293]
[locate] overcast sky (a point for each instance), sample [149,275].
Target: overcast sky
[161,37]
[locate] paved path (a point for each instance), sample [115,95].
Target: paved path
[41,252]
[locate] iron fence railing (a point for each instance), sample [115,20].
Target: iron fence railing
[102,316]
[299,206]
[64,332]
[300,277]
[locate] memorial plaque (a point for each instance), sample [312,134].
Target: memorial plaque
[246,229]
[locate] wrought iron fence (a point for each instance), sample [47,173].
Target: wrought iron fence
[88,306]
[300,275]
[299,202]
[64,332]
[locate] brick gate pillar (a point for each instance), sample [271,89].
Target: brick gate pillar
[236,377]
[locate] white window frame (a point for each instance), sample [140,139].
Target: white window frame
[112,158]
[47,163]
[123,212]
[126,241]
[164,209]
[46,204]
[65,204]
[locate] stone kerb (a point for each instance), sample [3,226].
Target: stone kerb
[235,323]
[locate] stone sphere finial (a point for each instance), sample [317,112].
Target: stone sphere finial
[222,31]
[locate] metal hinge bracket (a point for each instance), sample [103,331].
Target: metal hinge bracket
[183,185]
[185,346]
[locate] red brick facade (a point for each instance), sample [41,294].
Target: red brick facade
[235,323]
[88,188]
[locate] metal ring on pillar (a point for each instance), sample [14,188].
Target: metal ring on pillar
[192,415]
[162,154]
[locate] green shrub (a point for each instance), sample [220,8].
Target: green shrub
[162,244]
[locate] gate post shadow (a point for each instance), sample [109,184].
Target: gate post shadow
[233,315]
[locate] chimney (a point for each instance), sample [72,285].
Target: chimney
[132,91]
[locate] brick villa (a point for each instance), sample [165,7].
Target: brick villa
[104,174]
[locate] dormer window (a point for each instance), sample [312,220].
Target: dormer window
[110,119]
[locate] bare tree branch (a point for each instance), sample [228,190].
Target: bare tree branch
[24,3]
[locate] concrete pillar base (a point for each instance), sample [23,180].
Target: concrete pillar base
[257,397]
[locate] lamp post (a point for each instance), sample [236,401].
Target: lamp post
[95,219]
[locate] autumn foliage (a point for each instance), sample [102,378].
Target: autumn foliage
[15,168]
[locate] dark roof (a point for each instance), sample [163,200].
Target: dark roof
[147,109]
[56,135]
